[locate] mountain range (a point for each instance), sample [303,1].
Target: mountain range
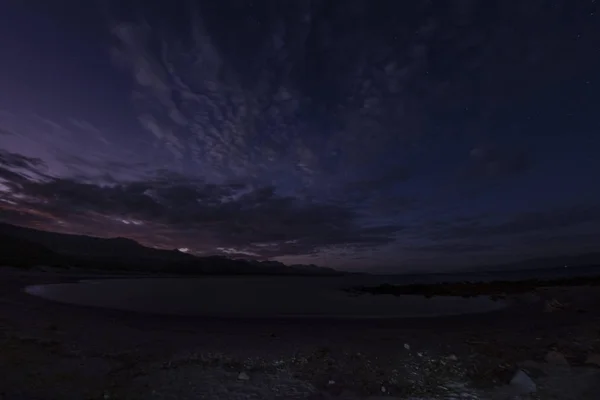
[29,247]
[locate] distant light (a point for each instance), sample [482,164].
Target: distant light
[184,249]
[131,221]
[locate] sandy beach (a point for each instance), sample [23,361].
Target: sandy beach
[60,351]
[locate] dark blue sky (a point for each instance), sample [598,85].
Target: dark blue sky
[355,134]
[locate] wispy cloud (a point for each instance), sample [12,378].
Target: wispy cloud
[319,128]
[261,117]
[71,148]
[191,210]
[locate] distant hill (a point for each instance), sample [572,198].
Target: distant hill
[27,246]
[24,253]
[89,246]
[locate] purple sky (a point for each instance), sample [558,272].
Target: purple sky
[353,134]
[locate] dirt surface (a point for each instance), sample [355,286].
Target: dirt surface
[56,351]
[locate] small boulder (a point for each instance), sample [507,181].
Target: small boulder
[521,383]
[243,376]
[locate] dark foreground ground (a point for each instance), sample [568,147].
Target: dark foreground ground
[55,351]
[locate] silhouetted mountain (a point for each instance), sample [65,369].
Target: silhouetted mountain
[89,246]
[24,253]
[27,246]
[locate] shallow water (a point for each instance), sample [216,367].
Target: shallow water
[253,297]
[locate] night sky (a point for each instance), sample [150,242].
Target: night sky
[373,135]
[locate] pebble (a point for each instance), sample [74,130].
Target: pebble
[331,382]
[406,346]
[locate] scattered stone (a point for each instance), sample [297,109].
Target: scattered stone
[556,358]
[243,376]
[331,382]
[383,389]
[452,357]
[521,383]
[420,354]
[406,346]
[554,305]
[593,359]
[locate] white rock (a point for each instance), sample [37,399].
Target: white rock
[406,346]
[452,357]
[521,383]
[331,382]
[383,389]
[243,376]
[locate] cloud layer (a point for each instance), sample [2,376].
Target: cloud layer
[353,133]
[204,217]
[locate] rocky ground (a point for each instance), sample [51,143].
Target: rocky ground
[546,346]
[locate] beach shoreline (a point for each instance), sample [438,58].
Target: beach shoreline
[54,350]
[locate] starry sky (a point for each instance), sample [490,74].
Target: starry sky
[360,135]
